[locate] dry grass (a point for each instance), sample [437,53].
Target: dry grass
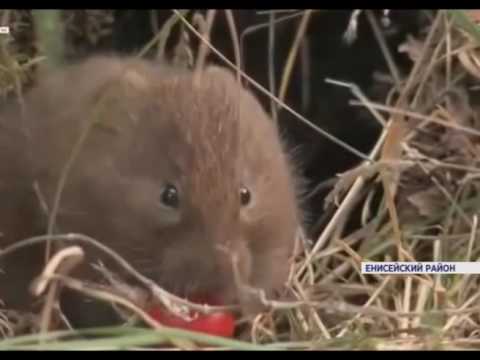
[417,195]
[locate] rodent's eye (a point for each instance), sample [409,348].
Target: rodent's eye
[245,196]
[169,196]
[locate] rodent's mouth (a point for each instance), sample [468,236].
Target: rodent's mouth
[218,323]
[207,299]
[200,289]
[200,294]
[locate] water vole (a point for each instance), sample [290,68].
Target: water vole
[175,175]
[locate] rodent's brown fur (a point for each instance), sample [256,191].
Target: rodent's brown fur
[154,124]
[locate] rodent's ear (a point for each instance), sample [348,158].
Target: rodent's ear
[135,80]
[119,95]
[220,72]
[130,81]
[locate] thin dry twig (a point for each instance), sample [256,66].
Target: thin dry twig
[302,28]
[236,45]
[206,26]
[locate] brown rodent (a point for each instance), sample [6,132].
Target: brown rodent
[172,173]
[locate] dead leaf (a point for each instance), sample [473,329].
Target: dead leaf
[474,15]
[346,179]
[471,63]
[428,202]
[412,47]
